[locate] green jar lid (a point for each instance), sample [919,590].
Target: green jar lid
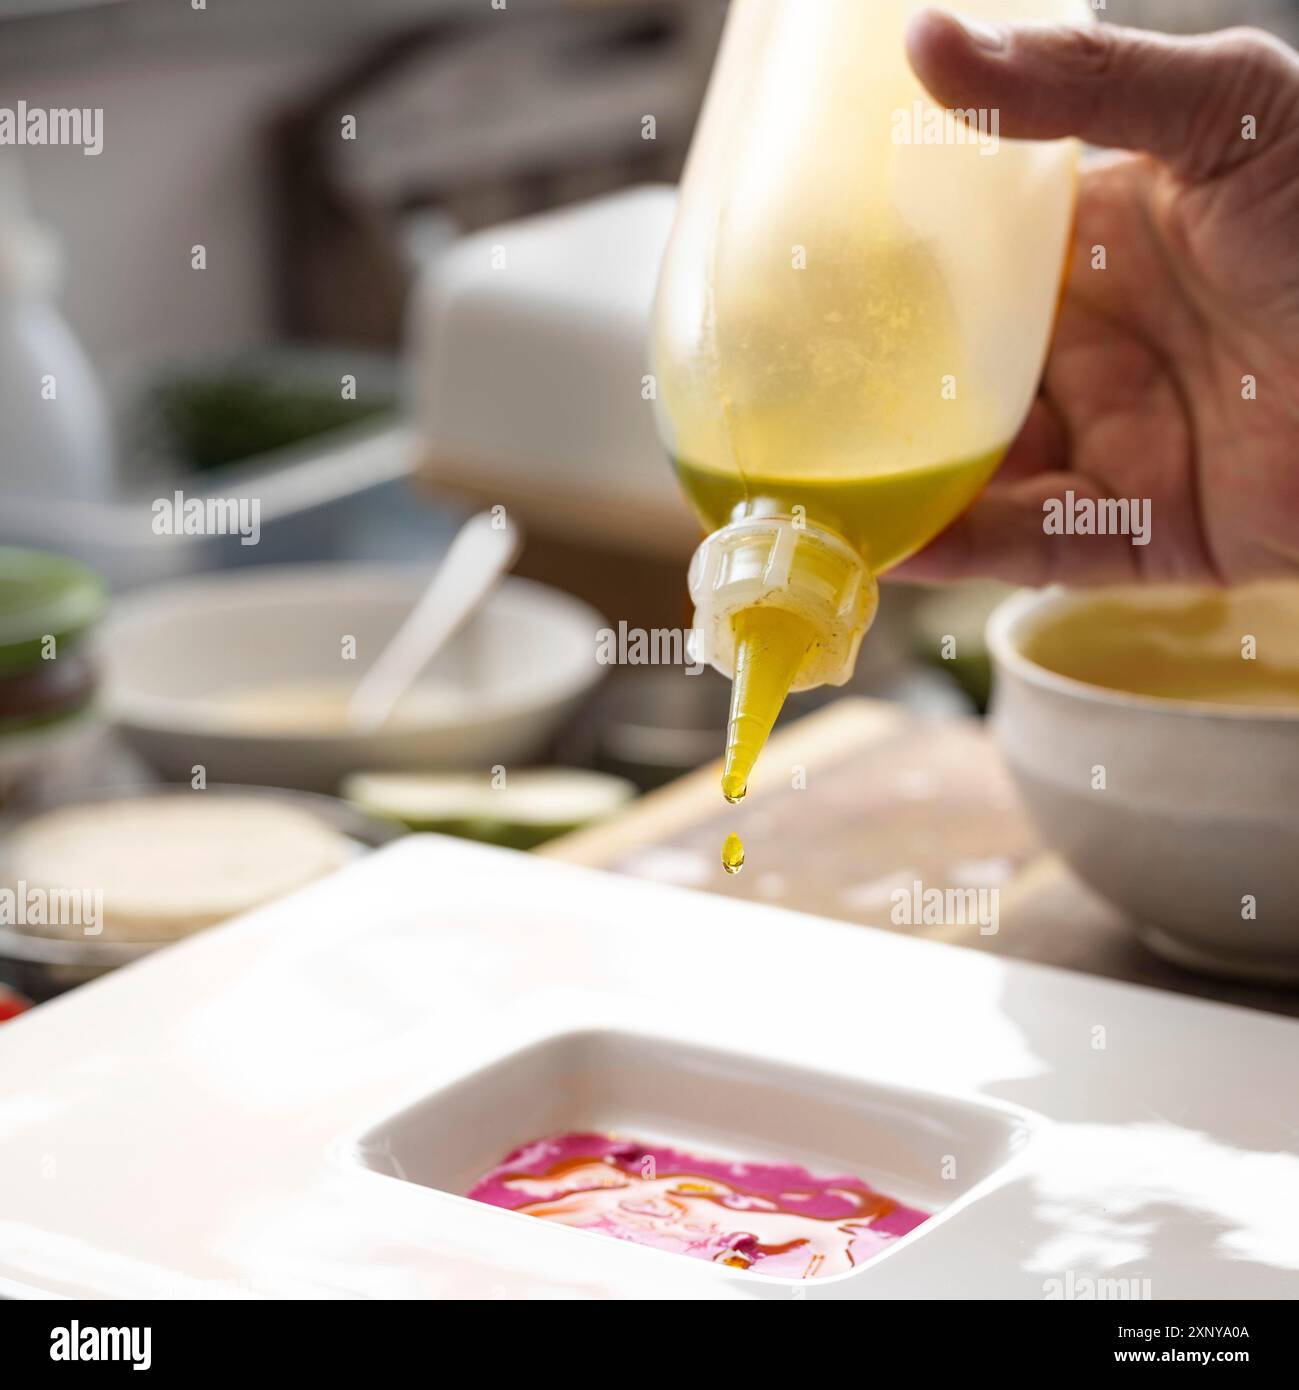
[43,595]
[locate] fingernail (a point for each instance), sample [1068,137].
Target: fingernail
[992,38]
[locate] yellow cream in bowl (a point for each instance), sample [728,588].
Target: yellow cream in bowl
[1224,647]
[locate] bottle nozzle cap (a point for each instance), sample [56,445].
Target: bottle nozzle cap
[803,569]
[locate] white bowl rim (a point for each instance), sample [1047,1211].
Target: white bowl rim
[1004,629]
[284,582]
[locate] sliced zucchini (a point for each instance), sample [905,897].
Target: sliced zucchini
[532,805]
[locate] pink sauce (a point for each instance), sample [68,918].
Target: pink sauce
[775,1217]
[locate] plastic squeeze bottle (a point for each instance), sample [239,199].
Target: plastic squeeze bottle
[852,318]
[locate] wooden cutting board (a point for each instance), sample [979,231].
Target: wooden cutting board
[861,799]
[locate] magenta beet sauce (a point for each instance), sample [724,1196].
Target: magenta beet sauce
[773,1217]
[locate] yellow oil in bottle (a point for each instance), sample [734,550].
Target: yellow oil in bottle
[886,516]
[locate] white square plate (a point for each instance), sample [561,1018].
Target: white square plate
[227,1117]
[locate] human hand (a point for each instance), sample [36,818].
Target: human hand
[1145,392]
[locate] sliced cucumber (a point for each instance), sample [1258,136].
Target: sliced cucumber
[533,805]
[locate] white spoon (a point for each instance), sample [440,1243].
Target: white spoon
[484,549]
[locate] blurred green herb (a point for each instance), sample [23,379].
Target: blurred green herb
[211,421]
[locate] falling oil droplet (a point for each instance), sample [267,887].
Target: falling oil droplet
[733,854]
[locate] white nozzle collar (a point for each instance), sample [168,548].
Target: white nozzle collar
[795,566]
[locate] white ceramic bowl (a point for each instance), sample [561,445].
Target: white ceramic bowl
[524,662]
[1199,812]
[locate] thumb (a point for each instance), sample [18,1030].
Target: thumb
[1180,99]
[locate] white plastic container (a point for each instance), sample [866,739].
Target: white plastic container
[55,443]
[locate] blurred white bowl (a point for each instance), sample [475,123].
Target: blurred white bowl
[171,655]
[1200,807]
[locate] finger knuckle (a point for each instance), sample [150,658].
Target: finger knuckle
[1084,49]
[1258,75]
[1255,53]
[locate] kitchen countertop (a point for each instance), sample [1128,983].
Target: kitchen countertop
[862,798]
